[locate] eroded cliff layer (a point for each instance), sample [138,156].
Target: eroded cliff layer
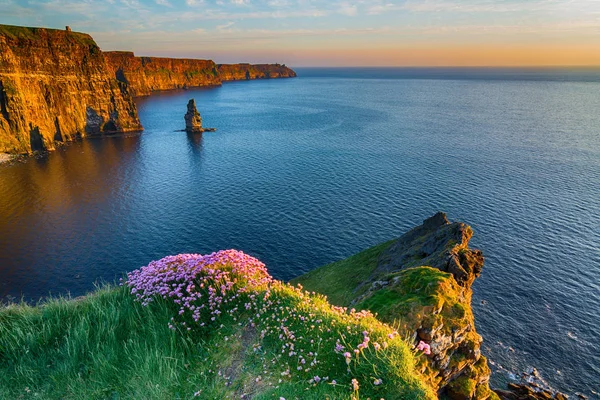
[145,75]
[55,86]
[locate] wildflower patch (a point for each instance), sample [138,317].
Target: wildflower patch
[300,346]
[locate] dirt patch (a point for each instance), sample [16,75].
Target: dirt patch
[246,388]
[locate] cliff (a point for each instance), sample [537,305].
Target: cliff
[145,75]
[240,72]
[55,86]
[421,282]
[213,326]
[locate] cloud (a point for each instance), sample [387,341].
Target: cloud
[348,9]
[163,3]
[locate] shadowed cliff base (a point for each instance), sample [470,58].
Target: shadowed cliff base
[57,86]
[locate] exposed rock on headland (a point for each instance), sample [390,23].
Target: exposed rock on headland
[422,282]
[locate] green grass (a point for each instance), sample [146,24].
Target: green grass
[32,34]
[339,280]
[106,345]
[102,346]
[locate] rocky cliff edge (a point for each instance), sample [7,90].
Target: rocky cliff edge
[421,283]
[54,87]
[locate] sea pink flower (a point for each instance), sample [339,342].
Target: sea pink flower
[354,384]
[424,347]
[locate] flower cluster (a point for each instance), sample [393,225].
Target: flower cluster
[424,347]
[294,335]
[200,284]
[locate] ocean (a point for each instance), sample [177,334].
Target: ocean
[306,171]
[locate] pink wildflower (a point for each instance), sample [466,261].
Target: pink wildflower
[424,347]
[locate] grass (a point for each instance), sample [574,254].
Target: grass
[32,34]
[102,346]
[266,342]
[339,280]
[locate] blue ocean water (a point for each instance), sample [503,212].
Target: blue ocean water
[306,171]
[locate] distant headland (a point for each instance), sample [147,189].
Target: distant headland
[57,86]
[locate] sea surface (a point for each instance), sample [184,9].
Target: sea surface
[306,171]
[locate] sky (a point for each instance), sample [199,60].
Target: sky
[333,33]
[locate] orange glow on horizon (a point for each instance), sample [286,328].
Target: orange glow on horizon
[460,56]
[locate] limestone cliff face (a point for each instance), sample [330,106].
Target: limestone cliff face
[145,75]
[55,86]
[240,72]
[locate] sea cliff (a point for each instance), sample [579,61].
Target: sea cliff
[240,72]
[144,75]
[420,282]
[57,85]
[54,87]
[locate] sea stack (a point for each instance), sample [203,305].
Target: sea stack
[193,120]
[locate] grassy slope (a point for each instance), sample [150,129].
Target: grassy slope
[108,346]
[102,346]
[339,280]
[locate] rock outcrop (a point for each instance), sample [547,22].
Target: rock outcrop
[55,86]
[420,283]
[532,387]
[193,120]
[428,273]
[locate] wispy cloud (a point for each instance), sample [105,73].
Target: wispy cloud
[184,26]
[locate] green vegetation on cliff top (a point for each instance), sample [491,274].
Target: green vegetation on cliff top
[32,34]
[269,342]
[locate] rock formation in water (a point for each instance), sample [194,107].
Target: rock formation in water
[56,85]
[193,120]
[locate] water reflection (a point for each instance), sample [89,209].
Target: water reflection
[56,201]
[195,142]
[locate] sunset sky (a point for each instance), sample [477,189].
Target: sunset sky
[333,33]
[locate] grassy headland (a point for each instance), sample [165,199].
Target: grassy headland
[219,326]
[253,338]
